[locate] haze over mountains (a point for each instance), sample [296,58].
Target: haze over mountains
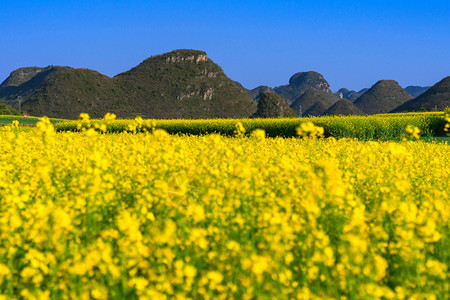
[187,84]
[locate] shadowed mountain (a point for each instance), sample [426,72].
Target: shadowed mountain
[310,97]
[178,84]
[435,98]
[317,109]
[272,105]
[343,107]
[416,91]
[299,83]
[382,97]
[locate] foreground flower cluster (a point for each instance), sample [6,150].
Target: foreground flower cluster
[154,216]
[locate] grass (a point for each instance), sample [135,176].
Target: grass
[439,139]
[7,119]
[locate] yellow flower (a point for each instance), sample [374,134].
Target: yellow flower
[190,271]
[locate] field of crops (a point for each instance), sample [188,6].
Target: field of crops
[158,216]
[388,126]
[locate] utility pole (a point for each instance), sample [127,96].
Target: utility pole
[19,99]
[300,113]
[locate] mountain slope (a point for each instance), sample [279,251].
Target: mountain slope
[178,84]
[8,110]
[310,97]
[435,98]
[75,91]
[343,107]
[299,83]
[317,109]
[382,97]
[25,81]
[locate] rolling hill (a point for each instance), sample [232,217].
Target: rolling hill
[382,97]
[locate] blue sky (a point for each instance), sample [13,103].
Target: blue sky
[352,43]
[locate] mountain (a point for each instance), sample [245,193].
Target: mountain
[343,107]
[178,84]
[346,94]
[23,82]
[317,109]
[239,84]
[435,98]
[310,97]
[382,97]
[254,94]
[416,91]
[299,83]
[272,105]
[363,91]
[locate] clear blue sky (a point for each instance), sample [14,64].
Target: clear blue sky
[352,43]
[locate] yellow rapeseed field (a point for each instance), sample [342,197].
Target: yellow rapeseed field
[157,216]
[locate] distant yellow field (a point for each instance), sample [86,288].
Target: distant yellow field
[158,216]
[387,126]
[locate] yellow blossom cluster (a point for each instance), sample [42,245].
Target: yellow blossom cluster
[447,121]
[86,215]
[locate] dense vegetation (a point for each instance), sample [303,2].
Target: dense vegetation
[8,110]
[157,216]
[21,120]
[272,105]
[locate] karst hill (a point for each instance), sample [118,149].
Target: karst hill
[178,84]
